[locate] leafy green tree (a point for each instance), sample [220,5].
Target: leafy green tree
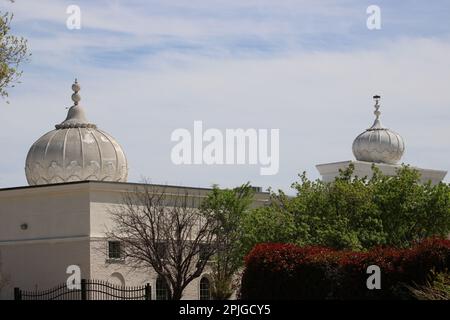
[228,207]
[339,214]
[411,211]
[266,224]
[353,212]
[13,51]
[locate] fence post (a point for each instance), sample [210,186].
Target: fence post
[17,294]
[148,292]
[83,289]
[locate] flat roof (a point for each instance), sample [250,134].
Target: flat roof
[110,183]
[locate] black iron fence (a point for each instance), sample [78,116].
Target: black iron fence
[88,290]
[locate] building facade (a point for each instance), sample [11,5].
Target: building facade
[77,174]
[47,228]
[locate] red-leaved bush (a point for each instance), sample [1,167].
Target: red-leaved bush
[287,271]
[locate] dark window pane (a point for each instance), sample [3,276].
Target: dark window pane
[205,292]
[204,252]
[161,248]
[162,290]
[114,250]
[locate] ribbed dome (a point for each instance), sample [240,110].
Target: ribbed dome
[75,151]
[378,144]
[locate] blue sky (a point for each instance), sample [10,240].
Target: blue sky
[308,68]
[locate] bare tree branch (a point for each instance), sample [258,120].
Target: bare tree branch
[166,232]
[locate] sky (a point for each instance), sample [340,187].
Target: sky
[307,68]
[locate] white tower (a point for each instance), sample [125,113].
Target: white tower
[380,146]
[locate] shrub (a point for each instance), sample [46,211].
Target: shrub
[436,289]
[287,271]
[283,266]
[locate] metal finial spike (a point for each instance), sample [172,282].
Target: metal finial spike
[75,96]
[377,106]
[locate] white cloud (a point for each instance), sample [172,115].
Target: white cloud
[215,26]
[319,101]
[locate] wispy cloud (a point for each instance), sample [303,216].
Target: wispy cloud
[306,67]
[221,28]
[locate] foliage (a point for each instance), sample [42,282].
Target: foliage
[227,207]
[266,225]
[13,51]
[411,211]
[353,213]
[287,271]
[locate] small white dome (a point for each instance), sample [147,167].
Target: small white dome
[378,144]
[75,151]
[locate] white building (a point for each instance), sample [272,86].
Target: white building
[76,173]
[378,146]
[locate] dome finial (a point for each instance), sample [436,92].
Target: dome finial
[75,116]
[377,106]
[75,96]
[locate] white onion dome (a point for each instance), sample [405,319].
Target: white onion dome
[76,150]
[378,144]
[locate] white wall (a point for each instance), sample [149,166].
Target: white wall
[104,269]
[66,225]
[329,171]
[102,201]
[49,212]
[56,236]
[39,265]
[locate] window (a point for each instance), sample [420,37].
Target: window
[114,250]
[161,249]
[205,292]
[162,289]
[204,252]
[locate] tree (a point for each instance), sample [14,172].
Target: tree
[228,208]
[166,232]
[13,52]
[340,215]
[354,212]
[411,211]
[266,224]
